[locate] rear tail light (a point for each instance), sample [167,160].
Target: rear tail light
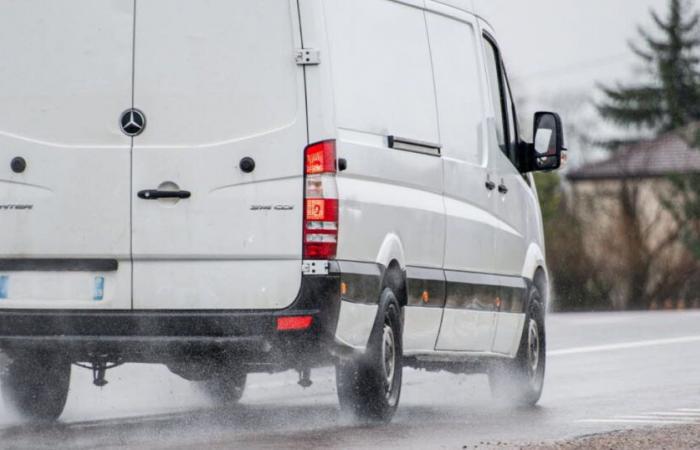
[320,201]
[320,158]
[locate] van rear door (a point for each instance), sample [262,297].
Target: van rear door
[218,84]
[65,230]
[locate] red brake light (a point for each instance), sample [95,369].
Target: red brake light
[320,202]
[320,158]
[294,323]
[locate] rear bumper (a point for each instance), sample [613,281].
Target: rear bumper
[163,336]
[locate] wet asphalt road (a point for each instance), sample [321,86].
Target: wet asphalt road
[605,372]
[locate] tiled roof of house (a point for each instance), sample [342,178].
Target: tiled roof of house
[669,154]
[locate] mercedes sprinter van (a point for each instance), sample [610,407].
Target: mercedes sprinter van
[236,186]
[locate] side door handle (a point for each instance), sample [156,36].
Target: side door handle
[490,185]
[503,189]
[154,194]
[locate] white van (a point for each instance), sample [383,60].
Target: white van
[228,187]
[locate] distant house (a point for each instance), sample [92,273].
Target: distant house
[670,154]
[622,203]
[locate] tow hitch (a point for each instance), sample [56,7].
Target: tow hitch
[99,368]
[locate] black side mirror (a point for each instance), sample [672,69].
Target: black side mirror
[548,142]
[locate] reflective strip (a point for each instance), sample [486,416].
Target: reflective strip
[99,294]
[4,283]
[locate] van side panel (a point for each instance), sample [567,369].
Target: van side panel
[65,79]
[461,104]
[374,44]
[469,319]
[519,212]
[383,86]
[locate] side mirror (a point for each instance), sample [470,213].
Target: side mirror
[548,143]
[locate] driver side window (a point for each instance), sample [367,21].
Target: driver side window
[492,67]
[506,122]
[513,132]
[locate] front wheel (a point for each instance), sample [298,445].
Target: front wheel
[36,384]
[370,386]
[520,381]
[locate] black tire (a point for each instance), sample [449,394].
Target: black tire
[519,382]
[226,389]
[36,384]
[369,387]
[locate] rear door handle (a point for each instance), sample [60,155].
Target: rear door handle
[503,189]
[154,194]
[490,185]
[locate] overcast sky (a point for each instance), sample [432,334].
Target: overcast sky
[554,45]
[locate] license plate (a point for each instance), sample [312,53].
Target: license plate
[52,286]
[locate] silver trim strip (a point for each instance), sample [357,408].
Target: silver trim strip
[359,268]
[424,273]
[451,356]
[410,145]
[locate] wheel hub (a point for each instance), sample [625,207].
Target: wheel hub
[388,358]
[533,349]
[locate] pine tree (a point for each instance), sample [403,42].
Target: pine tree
[671,98]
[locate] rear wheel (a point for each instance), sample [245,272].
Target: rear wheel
[36,384]
[520,381]
[370,386]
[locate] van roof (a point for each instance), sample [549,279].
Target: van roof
[470,6]
[464,5]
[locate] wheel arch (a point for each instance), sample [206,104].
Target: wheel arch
[541,282]
[391,258]
[535,271]
[395,278]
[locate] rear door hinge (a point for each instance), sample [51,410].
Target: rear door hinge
[308,57]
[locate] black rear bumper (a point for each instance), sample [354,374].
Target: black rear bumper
[164,336]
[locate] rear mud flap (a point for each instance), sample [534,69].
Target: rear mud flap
[355,325]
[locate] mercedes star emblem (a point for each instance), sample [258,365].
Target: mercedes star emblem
[132,122]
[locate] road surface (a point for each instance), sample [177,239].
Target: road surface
[611,371]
